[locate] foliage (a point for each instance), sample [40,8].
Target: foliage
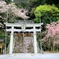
[12,11]
[52,2]
[32,4]
[52,36]
[3,9]
[7,1]
[47,13]
[17,12]
[35,3]
[6,37]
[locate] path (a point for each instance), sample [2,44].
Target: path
[30,56]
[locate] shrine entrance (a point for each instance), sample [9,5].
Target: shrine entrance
[16,27]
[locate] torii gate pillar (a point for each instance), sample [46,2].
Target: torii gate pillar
[11,41]
[35,42]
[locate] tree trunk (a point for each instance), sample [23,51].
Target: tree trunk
[53,46]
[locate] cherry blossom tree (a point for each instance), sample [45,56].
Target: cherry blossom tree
[52,35]
[14,10]
[11,12]
[18,12]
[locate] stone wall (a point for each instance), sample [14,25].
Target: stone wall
[23,45]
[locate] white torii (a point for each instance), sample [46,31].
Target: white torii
[34,29]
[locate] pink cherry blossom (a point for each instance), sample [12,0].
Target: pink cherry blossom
[16,11]
[52,32]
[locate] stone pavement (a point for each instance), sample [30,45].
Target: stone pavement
[30,56]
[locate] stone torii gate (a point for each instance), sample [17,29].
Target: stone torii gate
[24,28]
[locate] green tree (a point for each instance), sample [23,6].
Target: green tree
[47,13]
[32,4]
